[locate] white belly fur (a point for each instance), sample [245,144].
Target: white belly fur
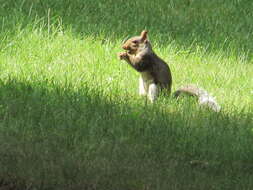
[147,86]
[147,77]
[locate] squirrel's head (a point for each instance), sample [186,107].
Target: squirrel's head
[133,44]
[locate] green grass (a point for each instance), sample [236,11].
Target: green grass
[70,114]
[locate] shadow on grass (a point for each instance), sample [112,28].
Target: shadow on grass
[55,137]
[210,25]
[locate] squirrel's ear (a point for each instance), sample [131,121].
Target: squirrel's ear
[144,35]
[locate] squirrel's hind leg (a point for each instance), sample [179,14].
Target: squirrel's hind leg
[153,92]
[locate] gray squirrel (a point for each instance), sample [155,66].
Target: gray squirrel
[155,73]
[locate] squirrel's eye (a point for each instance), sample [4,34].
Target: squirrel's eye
[135,41]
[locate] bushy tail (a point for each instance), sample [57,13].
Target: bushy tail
[204,99]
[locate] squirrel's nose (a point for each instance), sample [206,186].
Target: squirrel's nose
[124,47]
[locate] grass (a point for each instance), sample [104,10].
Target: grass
[70,114]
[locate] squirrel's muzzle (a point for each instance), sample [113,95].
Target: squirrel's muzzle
[125,47]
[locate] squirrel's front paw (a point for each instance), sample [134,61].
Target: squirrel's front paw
[122,55]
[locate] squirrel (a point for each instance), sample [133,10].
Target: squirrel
[155,73]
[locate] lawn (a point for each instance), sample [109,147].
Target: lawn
[70,113]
